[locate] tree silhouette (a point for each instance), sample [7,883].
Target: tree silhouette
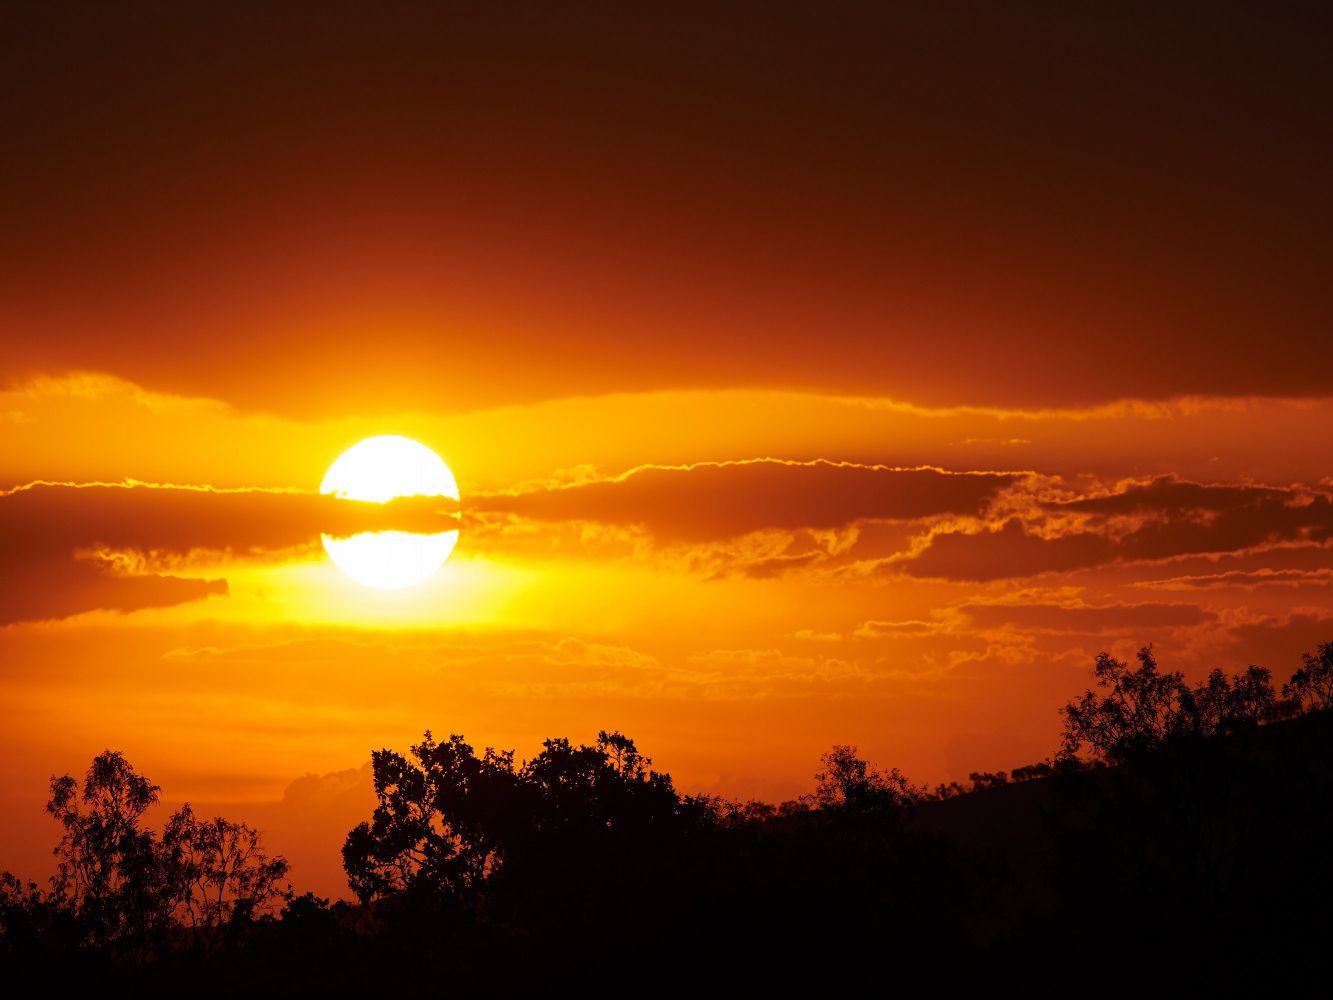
[219,874]
[1311,687]
[1225,705]
[108,866]
[852,785]
[127,889]
[448,821]
[1175,815]
[592,790]
[439,823]
[1208,809]
[1143,709]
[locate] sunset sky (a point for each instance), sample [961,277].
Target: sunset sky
[811,374]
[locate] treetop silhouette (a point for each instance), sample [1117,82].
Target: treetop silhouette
[129,889]
[1165,801]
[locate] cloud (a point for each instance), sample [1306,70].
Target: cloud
[75,547]
[1277,641]
[57,590]
[428,653]
[913,629]
[760,673]
[760,555]
[1167,494]
[1178,518]
[767,569]
[1165,518]
[545,670]
[1086,618]
[38,516]
[718,500]
[1005,552]
[1306,556]
[1242,580]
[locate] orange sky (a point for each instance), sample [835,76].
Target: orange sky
[808,378]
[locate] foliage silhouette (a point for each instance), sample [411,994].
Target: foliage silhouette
[437,827]
[1187,786]
[1206,808]
[219,876]
[1311,687]
[485,840]
[123,892]
[109,867]
[854,786]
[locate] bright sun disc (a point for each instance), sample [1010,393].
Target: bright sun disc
[379,469]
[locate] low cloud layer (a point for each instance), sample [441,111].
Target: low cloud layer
[72,548]
[711,501]
[1085,618]
[1162,519]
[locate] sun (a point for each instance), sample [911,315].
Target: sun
[379,469]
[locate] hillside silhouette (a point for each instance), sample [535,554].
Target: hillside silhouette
[1179,831]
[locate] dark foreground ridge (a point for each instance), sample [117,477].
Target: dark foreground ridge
[1179,831]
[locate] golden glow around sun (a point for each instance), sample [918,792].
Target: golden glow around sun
[379,469]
